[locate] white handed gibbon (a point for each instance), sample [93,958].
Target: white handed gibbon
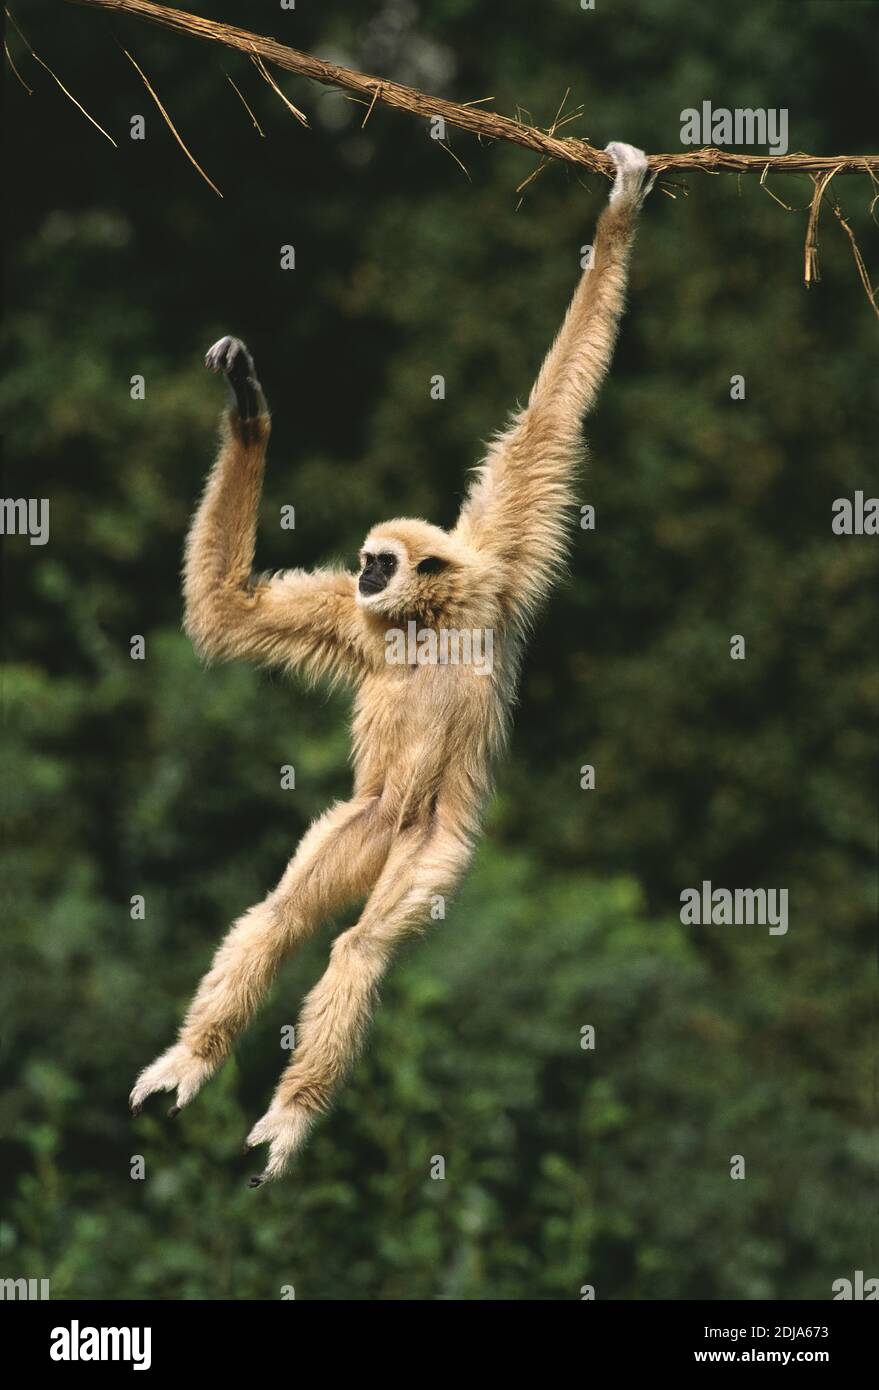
[425,732]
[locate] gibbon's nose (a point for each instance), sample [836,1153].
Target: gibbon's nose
[372,581]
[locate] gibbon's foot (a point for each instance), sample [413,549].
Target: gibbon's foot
[284,1130]
[229,355]
[178,1070]
[632,170]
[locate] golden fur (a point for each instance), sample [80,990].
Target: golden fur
[424,736]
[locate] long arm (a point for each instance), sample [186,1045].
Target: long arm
[515,510]
[295,619]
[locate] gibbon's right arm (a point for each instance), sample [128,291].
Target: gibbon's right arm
[515,510]
[294,619]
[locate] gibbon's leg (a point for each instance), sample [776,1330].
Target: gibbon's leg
[336,1013]
[338,861]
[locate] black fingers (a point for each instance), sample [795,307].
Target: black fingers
[230,356]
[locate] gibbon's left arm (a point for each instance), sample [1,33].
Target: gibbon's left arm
[297,618]
[515,510]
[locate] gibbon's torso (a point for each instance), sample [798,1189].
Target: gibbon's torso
[447,720]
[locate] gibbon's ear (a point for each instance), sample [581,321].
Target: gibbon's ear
[432,565]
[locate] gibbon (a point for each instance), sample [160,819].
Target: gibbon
[425,734]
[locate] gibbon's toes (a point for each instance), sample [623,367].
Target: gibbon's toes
[632,170]
[178,1070]
[158,1076]
[285,1131]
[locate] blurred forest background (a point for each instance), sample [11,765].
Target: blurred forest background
[564,1166]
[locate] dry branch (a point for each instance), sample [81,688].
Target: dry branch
[822,169]
[479,122]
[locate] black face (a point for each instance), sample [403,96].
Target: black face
[377,570]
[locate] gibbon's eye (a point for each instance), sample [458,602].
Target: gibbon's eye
[387,561]
[432,565]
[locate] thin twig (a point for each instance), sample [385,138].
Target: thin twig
[170,124]
[537,170]
[875,200]
[78,104]
[541,163]
[781,203]
[859,261]
[11,62]
[448,149]
[811,271]
[264,72]
[244,103]
[371,105]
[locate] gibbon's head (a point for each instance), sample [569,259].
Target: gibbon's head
[410,569]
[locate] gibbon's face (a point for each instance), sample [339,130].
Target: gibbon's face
[405,567]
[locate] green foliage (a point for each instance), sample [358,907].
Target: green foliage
[564,1166]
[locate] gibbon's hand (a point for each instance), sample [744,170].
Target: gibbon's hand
[230,356]
[631,172]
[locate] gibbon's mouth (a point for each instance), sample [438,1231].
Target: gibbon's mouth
[372,583]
